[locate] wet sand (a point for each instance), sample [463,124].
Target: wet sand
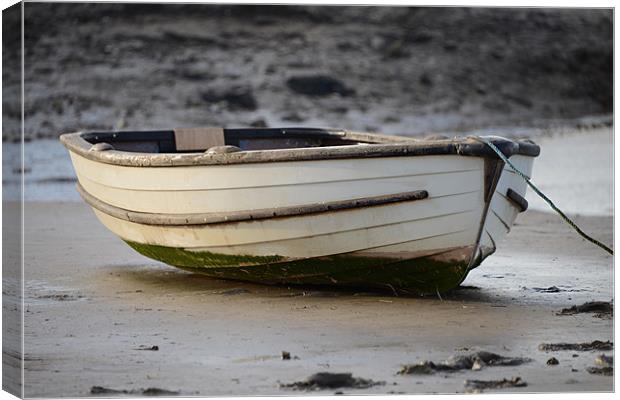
[91,303]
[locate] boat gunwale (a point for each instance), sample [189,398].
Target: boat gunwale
[372,145]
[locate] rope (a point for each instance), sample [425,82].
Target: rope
[542,195]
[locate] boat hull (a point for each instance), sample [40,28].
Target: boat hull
[412,224]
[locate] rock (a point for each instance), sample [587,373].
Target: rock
[450,45]
[552,361]
[318,85]
[293,117]
[391,119]
[394,50]
[192,74]
[346,46]
[425,79]
[286,355]
[420,37]
[236,98]
[259,123]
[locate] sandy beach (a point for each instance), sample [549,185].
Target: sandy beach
[92,303]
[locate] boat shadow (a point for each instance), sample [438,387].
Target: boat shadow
[176,281]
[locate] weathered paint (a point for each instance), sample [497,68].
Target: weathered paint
[377,146]
[421,276]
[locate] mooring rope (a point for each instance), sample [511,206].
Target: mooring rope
[542,195]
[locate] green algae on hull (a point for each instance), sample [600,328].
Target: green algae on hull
[180,257]
[421,276]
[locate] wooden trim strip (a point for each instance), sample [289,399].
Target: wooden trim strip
[518,200]
[250,215]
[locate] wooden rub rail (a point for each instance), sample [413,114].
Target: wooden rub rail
[239,216]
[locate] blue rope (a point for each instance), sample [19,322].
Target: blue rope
[542,195]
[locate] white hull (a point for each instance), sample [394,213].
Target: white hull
[455,204]
[221,188]
[502,212]
[454,223]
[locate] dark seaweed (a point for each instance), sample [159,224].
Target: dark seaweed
[328,380]
[595,345]
[602,308]
[473,361]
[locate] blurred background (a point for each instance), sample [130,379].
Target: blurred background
[413,71]
[400,70]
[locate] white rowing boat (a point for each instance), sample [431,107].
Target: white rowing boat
[305,206]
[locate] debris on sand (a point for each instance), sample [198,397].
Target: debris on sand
[605,361]
[475,361]
[286,355]
[476,386]
[157,392]
[104,390]
[318,85]
[603,309]
[60,297]
[328,380]
[422,368]
[144,392]
[147,348]
[550,289]
[605,371]
[606,366]
[595,345]
[552,361]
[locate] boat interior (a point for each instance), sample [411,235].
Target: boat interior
[192,140]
